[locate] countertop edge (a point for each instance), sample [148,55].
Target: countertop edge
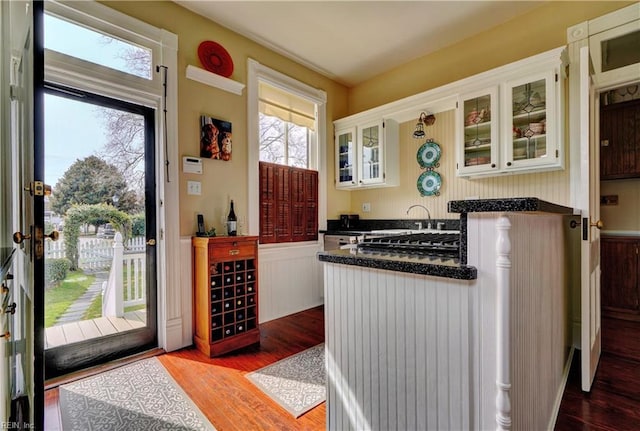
[461,272]
[525,204]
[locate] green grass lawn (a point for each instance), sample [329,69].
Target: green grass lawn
[59,298]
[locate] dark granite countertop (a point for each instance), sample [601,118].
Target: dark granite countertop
[507,204]
[6,253]
[448,268]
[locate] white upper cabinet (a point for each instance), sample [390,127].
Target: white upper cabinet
[346,174]
[367,155]
[531,120]
[478,117]
[512,123]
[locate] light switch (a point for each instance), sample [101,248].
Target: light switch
[193,187]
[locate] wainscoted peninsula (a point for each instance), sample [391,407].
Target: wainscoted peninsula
[410,349]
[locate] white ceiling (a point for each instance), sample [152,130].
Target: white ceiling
[352,41]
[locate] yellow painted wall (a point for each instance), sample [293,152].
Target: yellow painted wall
[542,29]
[625,215]
[221,180]
[501,45]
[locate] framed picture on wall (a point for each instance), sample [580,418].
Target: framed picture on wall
[215,138]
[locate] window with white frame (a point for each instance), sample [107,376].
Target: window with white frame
[289,131]
[286,127]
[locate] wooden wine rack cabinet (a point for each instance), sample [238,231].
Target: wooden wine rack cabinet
[225,293]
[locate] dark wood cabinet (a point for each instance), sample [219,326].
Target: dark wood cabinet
[225,293]
[620,140]
[620,276]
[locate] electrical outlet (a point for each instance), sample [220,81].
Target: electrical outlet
[366,207]
[194,187]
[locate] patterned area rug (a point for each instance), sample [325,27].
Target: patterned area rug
[297,383]
[139,396]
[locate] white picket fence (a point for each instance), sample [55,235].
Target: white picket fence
[94,254]
[126,265]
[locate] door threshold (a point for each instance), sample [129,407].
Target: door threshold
[91,371]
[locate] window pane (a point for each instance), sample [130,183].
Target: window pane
[272,140]
[89,45]
[620,51]
[298,146]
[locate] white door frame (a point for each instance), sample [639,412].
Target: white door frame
[585,175]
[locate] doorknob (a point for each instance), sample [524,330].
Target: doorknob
[19,237]
[151,242]
[53,236]
[598,225]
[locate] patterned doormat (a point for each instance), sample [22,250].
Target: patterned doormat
[297,383]
[139,396]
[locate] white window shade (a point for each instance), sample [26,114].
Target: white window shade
[286,106]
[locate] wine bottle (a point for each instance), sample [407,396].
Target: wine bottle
[232,222]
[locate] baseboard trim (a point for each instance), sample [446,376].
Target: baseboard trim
[560,394]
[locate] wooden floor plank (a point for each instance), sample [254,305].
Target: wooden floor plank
[72,332]
[119,323]
[613,404]
[55,337]
[105,326]
[89,329]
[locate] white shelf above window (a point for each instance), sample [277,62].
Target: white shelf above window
[217,81]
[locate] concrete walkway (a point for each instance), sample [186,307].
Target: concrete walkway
[75,312]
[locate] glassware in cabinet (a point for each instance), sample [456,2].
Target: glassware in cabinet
[346,155]
[370,152]
[531,122]
[477,125]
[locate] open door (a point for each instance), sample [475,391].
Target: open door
[589,204]
[21,137]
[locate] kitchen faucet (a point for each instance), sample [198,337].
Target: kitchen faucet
[428,215]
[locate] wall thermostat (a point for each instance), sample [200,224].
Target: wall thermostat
[191,165]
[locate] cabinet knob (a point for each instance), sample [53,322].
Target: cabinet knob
[493,165]
[508,163]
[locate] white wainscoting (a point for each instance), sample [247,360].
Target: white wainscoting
[397,350]
[539,317]
[290,279]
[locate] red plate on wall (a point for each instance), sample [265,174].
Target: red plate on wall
[215,58]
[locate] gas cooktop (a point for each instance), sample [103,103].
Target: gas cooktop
[420,244]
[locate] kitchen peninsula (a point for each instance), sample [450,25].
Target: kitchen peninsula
[477,342]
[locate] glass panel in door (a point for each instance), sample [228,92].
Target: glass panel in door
[529,115]
[478,128]
[346,157]
[100,274]
[370,155]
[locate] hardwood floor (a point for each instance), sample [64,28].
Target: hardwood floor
[218,386]
[614,400]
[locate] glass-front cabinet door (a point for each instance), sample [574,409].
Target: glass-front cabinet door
[370,146]
[478,132]
[346,173]
[530,124]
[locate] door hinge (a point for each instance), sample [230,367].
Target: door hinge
[557,154]
[556,77]
[456,105]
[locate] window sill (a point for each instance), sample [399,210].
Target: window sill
[205,77]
